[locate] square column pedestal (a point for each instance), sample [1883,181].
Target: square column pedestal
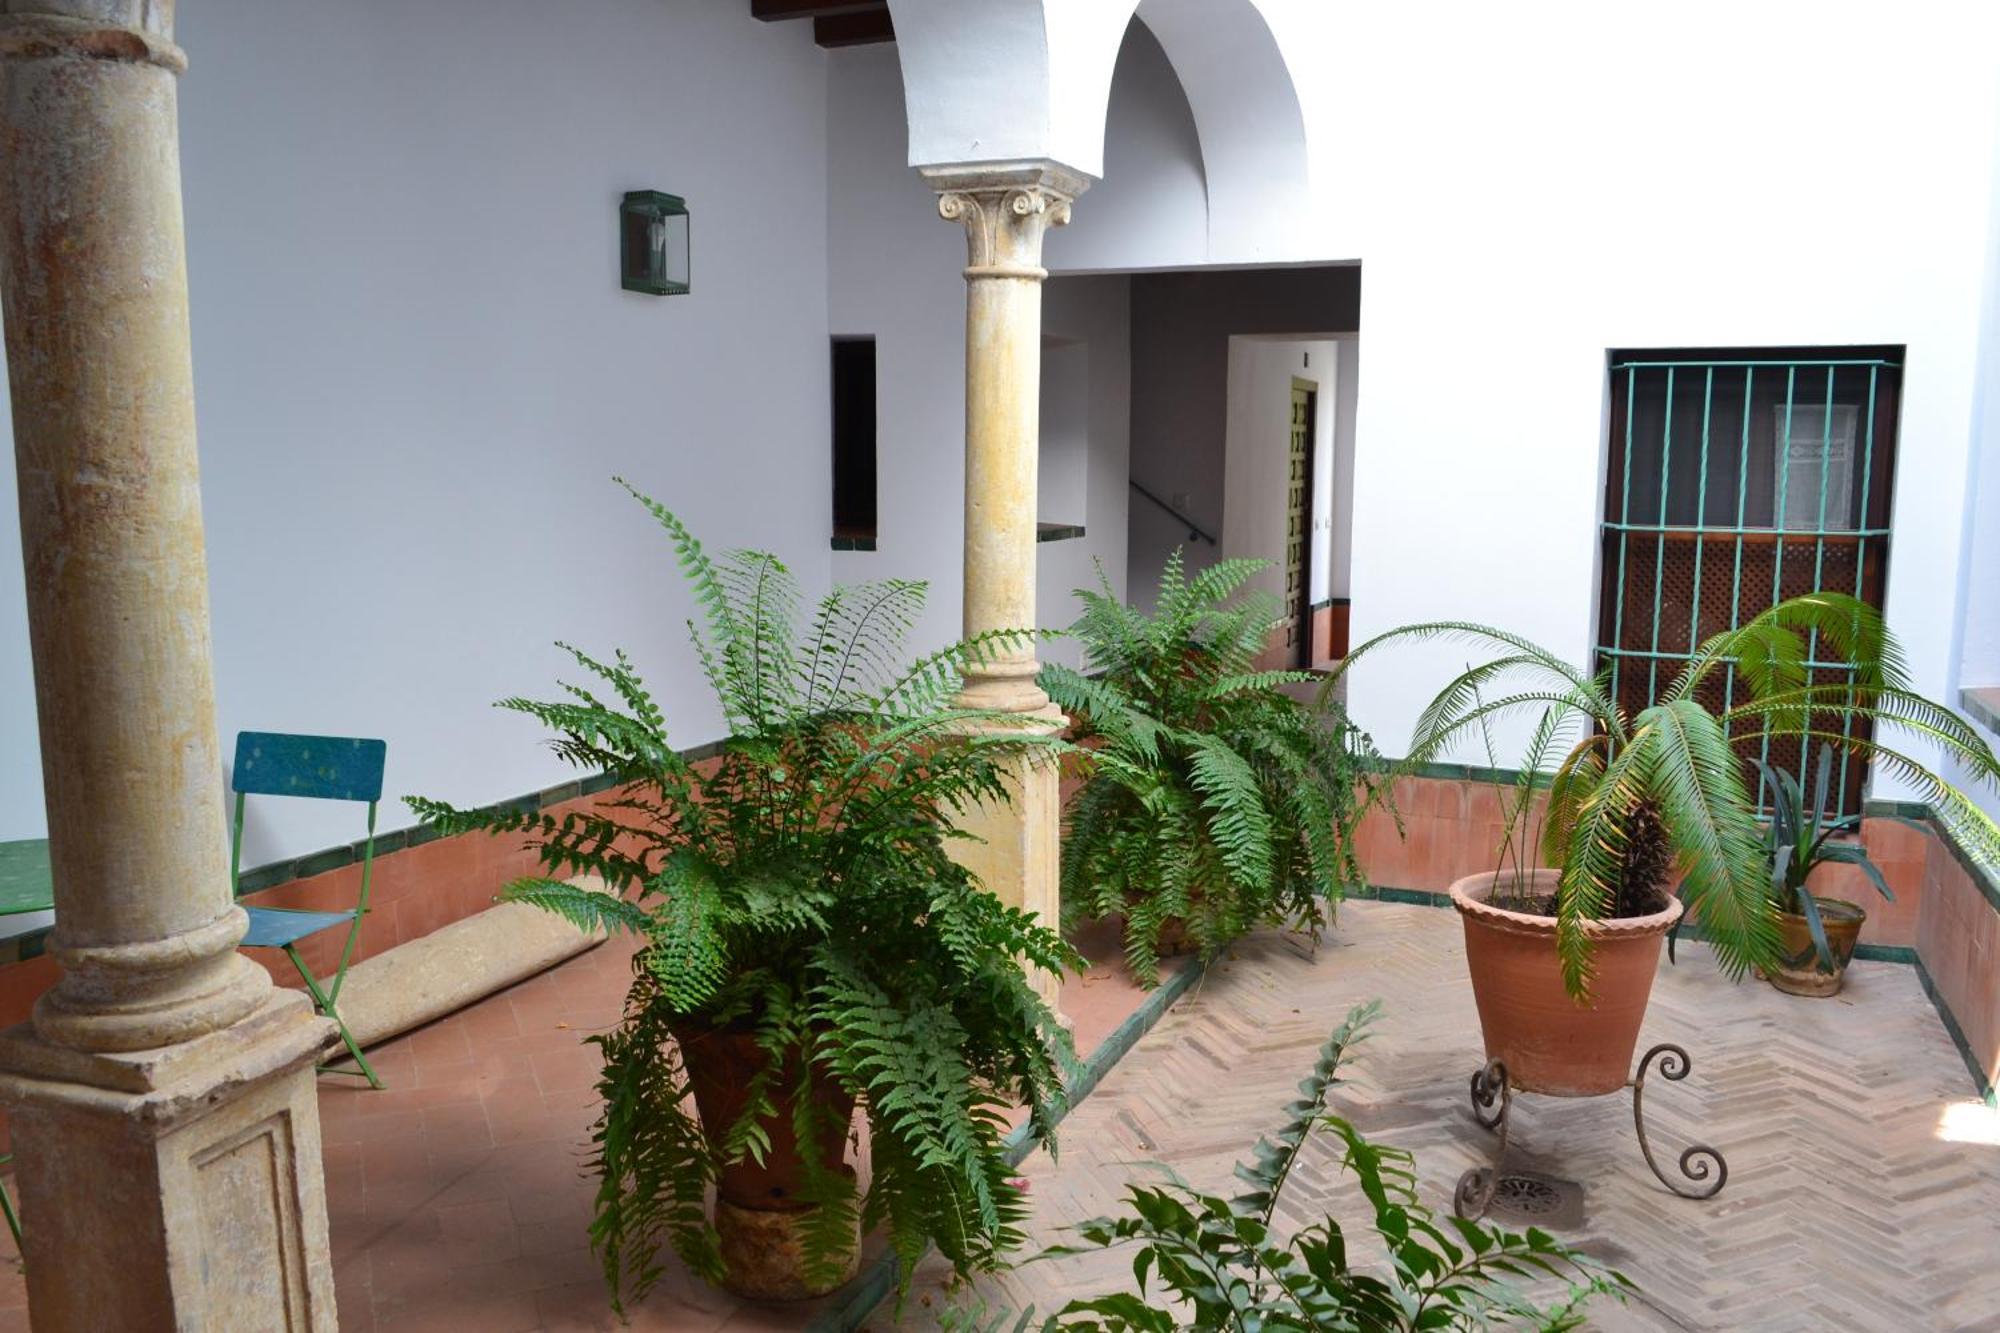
[178,1188]
[1019,855]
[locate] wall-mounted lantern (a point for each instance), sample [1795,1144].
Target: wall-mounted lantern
[653,243]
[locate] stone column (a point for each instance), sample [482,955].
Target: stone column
[1006,208]
[164,1118]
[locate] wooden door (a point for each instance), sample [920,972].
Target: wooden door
[1298,524]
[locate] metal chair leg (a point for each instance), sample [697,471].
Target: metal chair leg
[7,1206]
[325,1006]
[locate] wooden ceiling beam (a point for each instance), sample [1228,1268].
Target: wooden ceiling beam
[772,11]
[854,29]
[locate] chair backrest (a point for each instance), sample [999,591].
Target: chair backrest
[332,768]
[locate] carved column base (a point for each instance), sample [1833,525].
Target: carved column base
[177,1188]
[1019,855]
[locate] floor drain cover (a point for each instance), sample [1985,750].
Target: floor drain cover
[1538,1200]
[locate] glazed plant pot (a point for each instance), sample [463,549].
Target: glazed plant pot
[1801,970]
[760,1207]
[1550,1043]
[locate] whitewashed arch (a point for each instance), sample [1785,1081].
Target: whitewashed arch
[1011,80]
[1248,117]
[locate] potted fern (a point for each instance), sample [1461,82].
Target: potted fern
[807,944]
[1213,801]
[1562,958]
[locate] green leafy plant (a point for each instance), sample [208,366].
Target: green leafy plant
[1634,795]
[1222,1264]
[1213,801]
[798,885]
[1804,835]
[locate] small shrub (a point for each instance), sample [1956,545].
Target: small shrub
[1207,1263]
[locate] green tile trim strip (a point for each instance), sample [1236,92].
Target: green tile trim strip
[1983,706]
[1987,1092]
[1984,878]
[1505,777]
[1868,953]
[853,543]
[1383,893]
[1058,532]
[859,1299]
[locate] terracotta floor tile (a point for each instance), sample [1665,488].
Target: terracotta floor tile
[462,1125]
[456,1310]
[459,1196]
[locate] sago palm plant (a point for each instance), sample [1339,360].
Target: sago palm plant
[797,886]
[1632,795]
[1213,801]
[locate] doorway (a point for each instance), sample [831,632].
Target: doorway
[1299,510]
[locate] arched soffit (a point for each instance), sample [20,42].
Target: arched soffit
[1247,115]
[1007,80]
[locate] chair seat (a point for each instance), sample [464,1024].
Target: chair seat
[275,927]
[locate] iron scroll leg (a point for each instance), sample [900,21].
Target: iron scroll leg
[1699,1162]
[1474,1192]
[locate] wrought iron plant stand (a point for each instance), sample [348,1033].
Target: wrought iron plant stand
[1477,1189]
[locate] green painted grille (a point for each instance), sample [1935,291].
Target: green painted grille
[1737,479]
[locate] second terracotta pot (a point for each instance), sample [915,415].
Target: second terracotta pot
[721,1063]
[1549,1042]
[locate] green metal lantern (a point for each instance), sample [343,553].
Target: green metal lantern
[653,243]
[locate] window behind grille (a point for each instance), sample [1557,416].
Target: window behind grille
[1736,479]
[854,444]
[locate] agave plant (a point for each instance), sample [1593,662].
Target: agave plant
[798,885]
[1207,1262]
[1213,800]
[1804,835]
[1666,787]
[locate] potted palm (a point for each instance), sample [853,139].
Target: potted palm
[1213,800]
[807,944]
[1562,954]
[1818,934]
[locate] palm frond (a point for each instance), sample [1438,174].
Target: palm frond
[1698,780]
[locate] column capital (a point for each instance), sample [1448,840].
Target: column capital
[1006,207]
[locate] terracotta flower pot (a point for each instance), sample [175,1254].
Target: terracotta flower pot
[1175,941]
[1550,1043]
[1800,971]
[759,1205]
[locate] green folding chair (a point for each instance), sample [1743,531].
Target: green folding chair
[330,768]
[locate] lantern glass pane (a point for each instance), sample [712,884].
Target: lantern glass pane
[672,241]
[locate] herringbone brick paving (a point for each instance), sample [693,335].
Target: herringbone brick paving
[1850,1205]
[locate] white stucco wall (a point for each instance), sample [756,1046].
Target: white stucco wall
[1528,191]
[416,372]
[1093,316]
[1978,664]
[1338,536]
